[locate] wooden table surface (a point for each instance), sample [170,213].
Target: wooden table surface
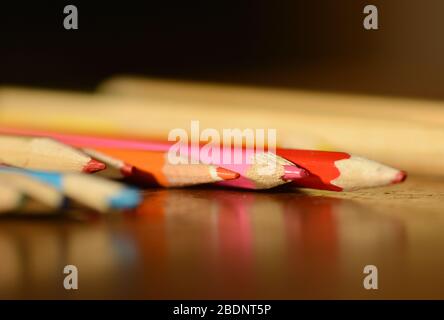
[212,243]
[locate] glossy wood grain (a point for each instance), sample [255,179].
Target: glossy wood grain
[215,243]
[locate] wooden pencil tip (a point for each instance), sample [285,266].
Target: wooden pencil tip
[94,166]
[226,174]
[400,177]
[294,173]
[127,170]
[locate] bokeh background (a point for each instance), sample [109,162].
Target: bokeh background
[289,43]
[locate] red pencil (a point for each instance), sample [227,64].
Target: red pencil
[340,171]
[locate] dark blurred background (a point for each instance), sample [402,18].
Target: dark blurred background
[316,44]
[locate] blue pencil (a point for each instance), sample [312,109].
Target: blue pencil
[98,193]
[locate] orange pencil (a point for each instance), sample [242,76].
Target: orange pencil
[151,167]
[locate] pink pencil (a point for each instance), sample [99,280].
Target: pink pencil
[267,170]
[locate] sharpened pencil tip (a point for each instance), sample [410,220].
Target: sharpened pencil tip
[400,177]
[127,170]
[294,173]
[125,199]
[226,174]
[94,166]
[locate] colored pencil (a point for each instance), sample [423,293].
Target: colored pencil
[340,171]
[14,202]
[392,140]
[266,171]
[39,191]
[150,155]
[95,192]
[45,154]
[10,198]
[152,167]
[115,168]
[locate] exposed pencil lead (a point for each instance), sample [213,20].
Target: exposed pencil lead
[293,173]
[127,169]
[400,177]
[94,166]
[226,174]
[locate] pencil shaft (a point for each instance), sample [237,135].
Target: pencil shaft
[156,169]
[44,154]
[34,189]
[10,198]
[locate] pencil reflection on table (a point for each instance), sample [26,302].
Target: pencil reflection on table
[203,243]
